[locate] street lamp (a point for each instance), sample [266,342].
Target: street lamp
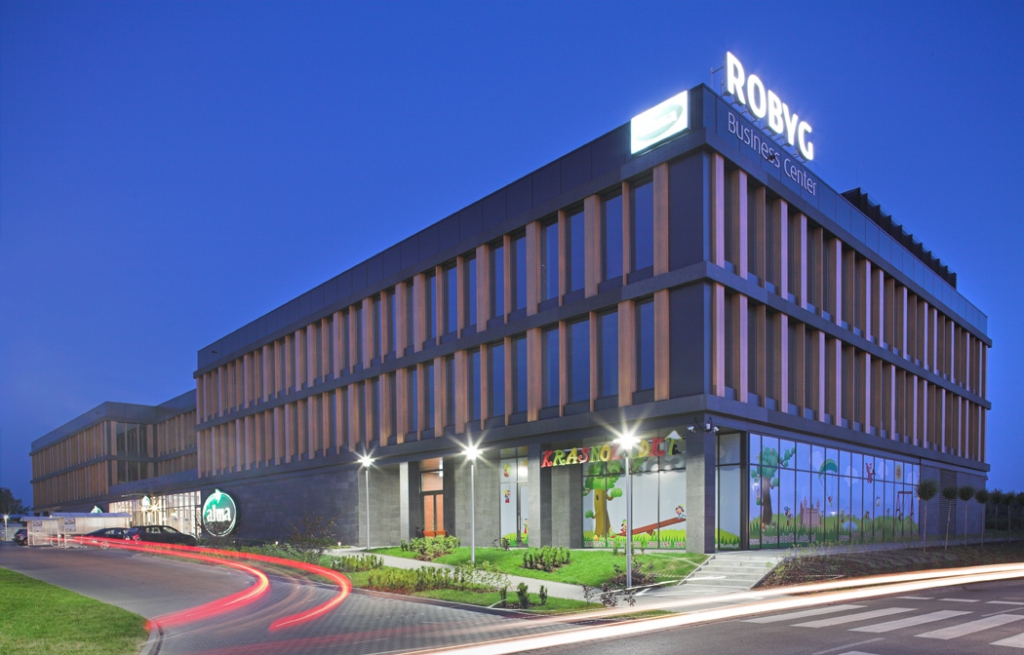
[365,461]
[627,441]
[472,452]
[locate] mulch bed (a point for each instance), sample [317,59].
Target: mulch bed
[822,568]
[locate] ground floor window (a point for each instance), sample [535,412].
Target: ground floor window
[658,476]
[179,511]
[802,493]
[513,496]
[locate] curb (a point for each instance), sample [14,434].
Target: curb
[153,643]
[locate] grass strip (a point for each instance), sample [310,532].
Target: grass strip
[37,618]
[806,568]
[589,567]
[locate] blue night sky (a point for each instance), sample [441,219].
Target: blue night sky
[171,171]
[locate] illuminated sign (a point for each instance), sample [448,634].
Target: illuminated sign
[656,447]
[219,514]
[660,122]
[750,91]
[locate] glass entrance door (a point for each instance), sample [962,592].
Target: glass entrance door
[431,493]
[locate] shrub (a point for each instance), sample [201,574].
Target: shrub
[429,578]
[523,592]
[352,564]
[543,595]
[430,548]
[545,559]
[312,533]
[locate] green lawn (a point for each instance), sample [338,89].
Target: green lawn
[37,618]
[591,567]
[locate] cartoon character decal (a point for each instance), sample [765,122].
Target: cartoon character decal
[508,495]
[506,469]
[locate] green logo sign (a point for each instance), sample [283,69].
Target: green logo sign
[219,514]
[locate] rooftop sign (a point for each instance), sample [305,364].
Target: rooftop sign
[749,90]
[660,122]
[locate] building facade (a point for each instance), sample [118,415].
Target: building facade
[791,359]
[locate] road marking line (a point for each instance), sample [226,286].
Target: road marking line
[954,631]
[852,618]
[1004,602]
[857,652]
[915,598]
[1016,641]
[910,622]
[856,643]
[801,614]
[959,600]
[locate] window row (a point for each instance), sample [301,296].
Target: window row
[768,359]
[599,360]
[607,240]
[760,238]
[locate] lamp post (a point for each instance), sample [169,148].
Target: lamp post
[365,461]
[472,452]
[627,441]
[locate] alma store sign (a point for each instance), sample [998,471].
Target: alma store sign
[220,514]
[656,447]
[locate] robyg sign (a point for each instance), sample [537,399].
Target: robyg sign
[220,514]
[749,90]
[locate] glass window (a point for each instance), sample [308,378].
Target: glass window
[473,385]
[576,251]
[361,431]
[496,364]
[449,390]
[428,397]
[497,280]
[549,260]
[518,273]
[359,335]
[611,237]
[430,299]
[643,226]
[471,291]
[451,298]
[579,357]
[608,353]
[375,400]
[393,322]
[413,397]
[410,303]
[549,359]
[645,345]
[392,405]
[519,377]
[378,326]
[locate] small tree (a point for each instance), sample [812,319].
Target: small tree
[981,495]
[313,534]
[949,493]
[1019,501]
[1007,501]
[996,498]
[966,493]
[926,490]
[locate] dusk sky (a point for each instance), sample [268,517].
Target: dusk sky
[172,171]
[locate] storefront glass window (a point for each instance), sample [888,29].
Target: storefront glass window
[658,494]
[513,498]
[802,494]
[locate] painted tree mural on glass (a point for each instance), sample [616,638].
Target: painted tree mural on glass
[766,474]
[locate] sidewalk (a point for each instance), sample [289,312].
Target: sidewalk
[555,589]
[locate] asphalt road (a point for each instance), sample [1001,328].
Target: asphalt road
[152,586]
[981,618]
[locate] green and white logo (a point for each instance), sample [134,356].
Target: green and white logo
[219,514]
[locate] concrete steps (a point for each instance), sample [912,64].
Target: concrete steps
[732,571]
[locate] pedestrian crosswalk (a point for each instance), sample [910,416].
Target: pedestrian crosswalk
[946,625]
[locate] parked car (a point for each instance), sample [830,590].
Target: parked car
[21,537]
[161,534]
[108,533]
